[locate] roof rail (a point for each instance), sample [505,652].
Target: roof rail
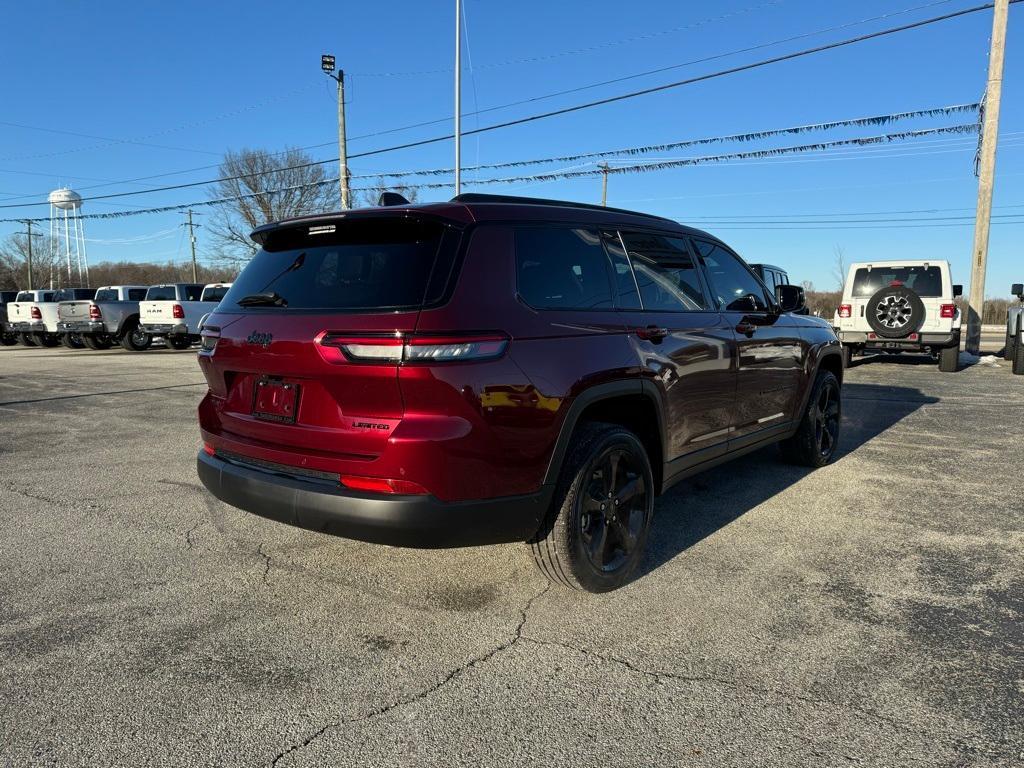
[479,197]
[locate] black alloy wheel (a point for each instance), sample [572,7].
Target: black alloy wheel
[613,510]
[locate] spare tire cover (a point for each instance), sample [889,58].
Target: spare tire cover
[895,312]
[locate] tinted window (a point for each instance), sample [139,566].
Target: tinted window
[733,285]
[73,294]
[924,281]
[106,294]
[356,265]
[562,269]
[162,293]
[215,293]
[25,296]
[192,292]
[626,296]
[47,296]
[136,294]
[665,273]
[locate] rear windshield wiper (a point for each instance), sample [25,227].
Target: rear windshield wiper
[271,299]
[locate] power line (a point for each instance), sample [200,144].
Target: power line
[553,95]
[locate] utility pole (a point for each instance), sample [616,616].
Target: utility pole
[604,183]
[327,65]
[30,234]
[458,96]
[192,240]
[986,176]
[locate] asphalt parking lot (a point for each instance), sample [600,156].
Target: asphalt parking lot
[870,613]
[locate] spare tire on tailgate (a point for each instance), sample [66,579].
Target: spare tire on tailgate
[895,312]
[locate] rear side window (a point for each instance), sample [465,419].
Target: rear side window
[665,273]
[161,293]
[356,265]
[136,294]
[215,293]
[560,268]
[732,284]
[924,281]
[107,294]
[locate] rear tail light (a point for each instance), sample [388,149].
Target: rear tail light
[36,314]
[94,312]
[382,485]
[208,338]
[845,310]
[209,450]
[947,310]
[411,349]
[178,312]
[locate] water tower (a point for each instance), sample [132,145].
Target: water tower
[67,233]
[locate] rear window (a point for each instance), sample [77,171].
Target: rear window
[193,292]
[924,281]
[215,293]
[357,265]
[161,293]
[106,294]
[136,294]
[25,296]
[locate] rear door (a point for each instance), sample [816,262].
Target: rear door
[771,352]
[345,295]
[682,340]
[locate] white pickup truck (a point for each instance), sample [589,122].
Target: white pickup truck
[174,311]
[112,317]
[33,315]
[8,337]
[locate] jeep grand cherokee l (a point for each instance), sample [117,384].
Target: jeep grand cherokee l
[499,369]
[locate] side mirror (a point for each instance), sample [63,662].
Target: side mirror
[958,290]
[790,297]
[1017,289]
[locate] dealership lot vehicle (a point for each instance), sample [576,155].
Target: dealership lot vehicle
[358,355]
[33,315]
[781,617]
[1014,348]
[174,311]
[111,317]
[7,336]
[900,306]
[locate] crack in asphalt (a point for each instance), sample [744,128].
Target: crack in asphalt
[10,488]
[266,563]
[188,534]
[517,635]
[660,676]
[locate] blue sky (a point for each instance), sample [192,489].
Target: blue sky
[200,78]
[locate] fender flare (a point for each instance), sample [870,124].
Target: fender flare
[821,352]
[595,394]
[125,321]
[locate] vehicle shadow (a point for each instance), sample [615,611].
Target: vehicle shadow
[702,505]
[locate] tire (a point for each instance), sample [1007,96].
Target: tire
[72,340]
[179,342]
[133,338]
[814,443]
[585,542]
[847,356]
[48,339]
[949,359]
[1018,353]
[894,312]
[27,339]
[8,339]
[97,342]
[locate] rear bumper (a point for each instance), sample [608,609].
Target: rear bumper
[165,329]
[82,326]
[34,326]
[923,341]
[405,521]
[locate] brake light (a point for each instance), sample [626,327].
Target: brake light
[947,310]
[845,310]
[208,338]
[382,485]
[35,313]
[209,450]
[94,312]
[178,312]
[392,350]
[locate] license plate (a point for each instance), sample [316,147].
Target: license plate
[275,400]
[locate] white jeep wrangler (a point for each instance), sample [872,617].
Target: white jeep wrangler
[900,306]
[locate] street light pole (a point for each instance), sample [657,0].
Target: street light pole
[327,65]
[986,176]
[458,96]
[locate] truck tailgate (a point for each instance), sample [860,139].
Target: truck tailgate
[157,312]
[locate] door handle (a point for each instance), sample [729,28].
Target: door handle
[652,333]
[746,327]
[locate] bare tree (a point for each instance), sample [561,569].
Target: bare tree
[839,268]
[264,187]
[370,197]
[48,268]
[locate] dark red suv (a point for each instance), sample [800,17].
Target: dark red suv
[499,369]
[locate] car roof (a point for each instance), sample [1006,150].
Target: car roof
[476,208]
